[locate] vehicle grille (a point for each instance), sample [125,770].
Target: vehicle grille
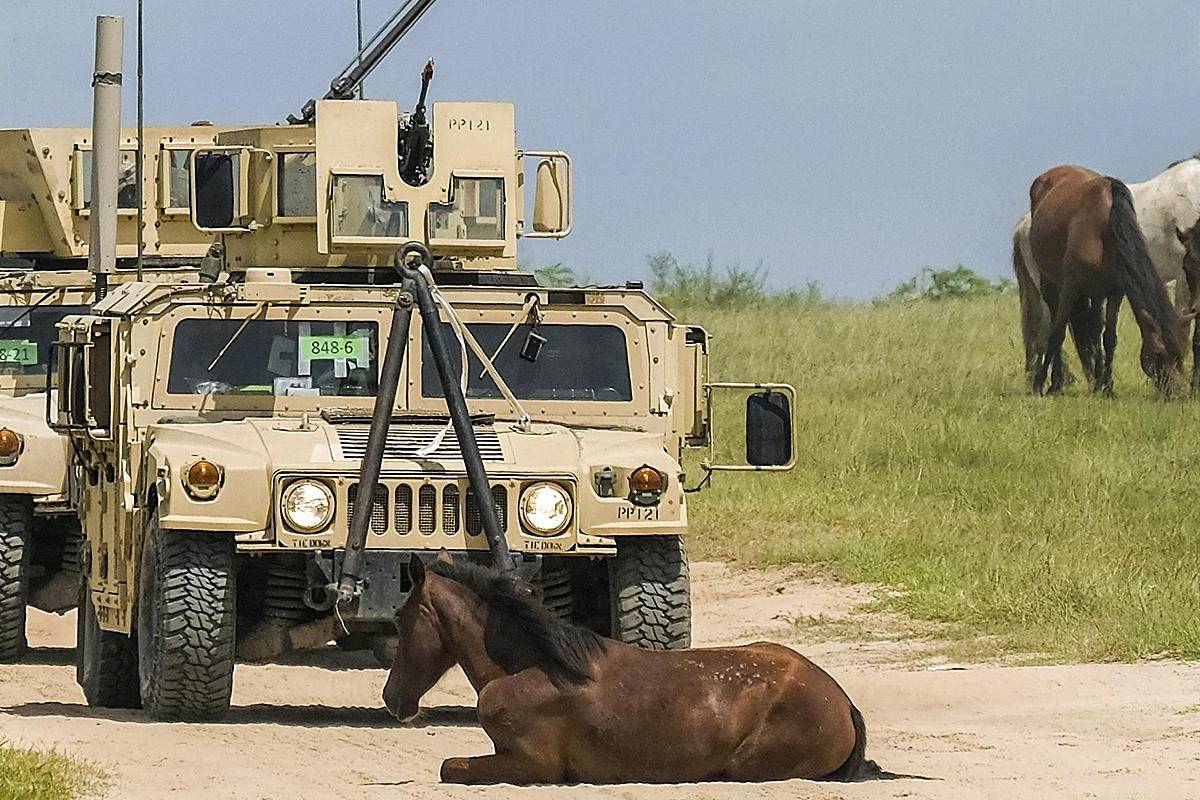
[446,507]
[379,520]
[405,440]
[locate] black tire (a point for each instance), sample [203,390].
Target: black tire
[106,665]
[16,523]
[187,620]
[650,593]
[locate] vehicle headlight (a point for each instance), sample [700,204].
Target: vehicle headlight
[545,509]
[307,506]
[202,479]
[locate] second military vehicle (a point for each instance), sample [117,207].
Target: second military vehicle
[45,198]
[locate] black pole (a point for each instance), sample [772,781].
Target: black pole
[141,152]
[381,418]
[456,404]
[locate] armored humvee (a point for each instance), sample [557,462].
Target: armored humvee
[249,445]
[45,177]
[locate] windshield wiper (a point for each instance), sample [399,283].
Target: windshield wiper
[237,333]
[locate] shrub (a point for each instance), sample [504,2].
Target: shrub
[947,284]
[732,286]
[556,275]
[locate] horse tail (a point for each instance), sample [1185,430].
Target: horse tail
[857,767]
[1035,316]
[1125,245]
[854,765]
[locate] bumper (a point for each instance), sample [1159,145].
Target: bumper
[385,581]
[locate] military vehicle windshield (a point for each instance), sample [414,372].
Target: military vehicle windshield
[296,358]
[25,337]
[575,362]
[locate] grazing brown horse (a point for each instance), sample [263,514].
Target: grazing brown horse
[1085,238]
[563,705]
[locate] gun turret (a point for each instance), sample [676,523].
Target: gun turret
[416,143]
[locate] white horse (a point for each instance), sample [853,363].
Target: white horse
[1168,209]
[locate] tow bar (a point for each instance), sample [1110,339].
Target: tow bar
[414,287]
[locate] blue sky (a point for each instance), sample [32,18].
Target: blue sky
[851,143]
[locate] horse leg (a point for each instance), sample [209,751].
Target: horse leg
[1191,272]
[1050,293]
[1111,311]
[1035,316]
[499,768]
[1195,356]
[1086,326]
[520,714]
[1058,332]
[1063,302]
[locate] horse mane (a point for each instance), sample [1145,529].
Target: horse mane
[569,648]
[1192,157]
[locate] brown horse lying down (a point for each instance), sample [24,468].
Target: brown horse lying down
[563,705]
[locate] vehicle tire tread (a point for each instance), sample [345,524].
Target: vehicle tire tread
[651,593]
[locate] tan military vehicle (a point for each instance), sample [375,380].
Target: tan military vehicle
[44,209]
[260,456]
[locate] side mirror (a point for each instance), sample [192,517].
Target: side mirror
[220,188]
[549,212]
[768,429]
[769,426]
[552,210]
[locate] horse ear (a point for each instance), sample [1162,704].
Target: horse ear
[444,557]
[416,571]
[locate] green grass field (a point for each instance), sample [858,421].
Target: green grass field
[40,775]
[1066,525]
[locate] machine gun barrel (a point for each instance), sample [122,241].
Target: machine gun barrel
[414,149]
[364,62]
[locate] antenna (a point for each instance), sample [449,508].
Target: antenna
[106,149]
[358,13]
[141,153]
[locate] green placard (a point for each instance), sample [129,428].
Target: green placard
[352,347]
[18,351]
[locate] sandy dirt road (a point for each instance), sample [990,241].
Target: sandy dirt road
[319,730]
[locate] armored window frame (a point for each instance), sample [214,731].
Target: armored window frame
[166,150]
[237,404]
[385,241]
[502,218]
[277,212]
[239,156]
[79,199]
[637,345]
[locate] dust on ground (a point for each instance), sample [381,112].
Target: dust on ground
[318,729]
